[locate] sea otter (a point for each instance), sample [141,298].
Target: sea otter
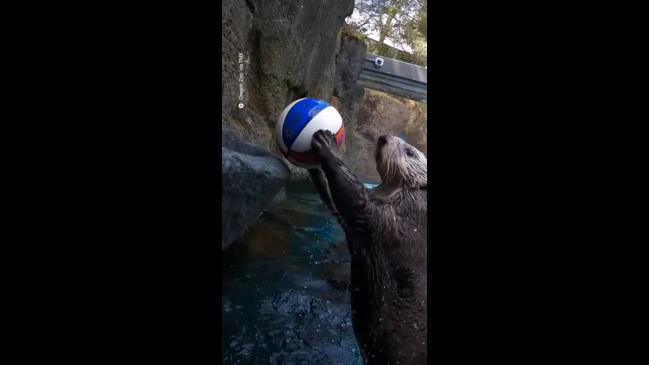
[385,230]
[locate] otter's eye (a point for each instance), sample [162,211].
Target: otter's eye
[409,152]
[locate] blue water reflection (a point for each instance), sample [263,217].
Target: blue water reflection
[278,307]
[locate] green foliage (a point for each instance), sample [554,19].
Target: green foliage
[401,21]
[352,31]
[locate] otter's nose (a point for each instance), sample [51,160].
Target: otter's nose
[384,139]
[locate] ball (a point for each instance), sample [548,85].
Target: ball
[299,121]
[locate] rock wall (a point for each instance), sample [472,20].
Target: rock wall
[277,51]
[274,52]
[288,51]
[348,95]
[369,114]
[251,178]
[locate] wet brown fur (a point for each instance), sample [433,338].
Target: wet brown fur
[386,235]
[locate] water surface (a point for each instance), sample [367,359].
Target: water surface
[277,305]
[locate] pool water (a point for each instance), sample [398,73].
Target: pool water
[278,307]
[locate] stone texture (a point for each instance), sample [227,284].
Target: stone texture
[293,49]
[369,114]
[349,63]
[251,178]
[289,50]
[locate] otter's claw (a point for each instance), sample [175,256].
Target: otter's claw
[323,143]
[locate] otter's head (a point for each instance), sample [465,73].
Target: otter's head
[400,164]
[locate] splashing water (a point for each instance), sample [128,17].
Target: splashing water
[277,305]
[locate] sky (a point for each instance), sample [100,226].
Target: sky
[375,35]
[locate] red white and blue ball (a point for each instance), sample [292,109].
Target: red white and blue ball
[299,121]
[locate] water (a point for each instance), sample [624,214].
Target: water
[277,305]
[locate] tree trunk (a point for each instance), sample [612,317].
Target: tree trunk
[385,29]
[392,13]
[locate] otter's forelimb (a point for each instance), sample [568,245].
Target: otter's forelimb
[347,192]
[320,181]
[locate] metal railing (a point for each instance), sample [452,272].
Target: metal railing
[394,77]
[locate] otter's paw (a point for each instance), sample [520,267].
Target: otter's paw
[324,143]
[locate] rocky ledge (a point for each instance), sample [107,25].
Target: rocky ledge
[251,178]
